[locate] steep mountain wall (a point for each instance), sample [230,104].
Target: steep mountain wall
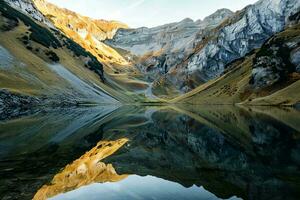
[87,32]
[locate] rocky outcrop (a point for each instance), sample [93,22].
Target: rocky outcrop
[215,19]
[278,58]
[160,48]
[246,30]
[187,57]
[29,8]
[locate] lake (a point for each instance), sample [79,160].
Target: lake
[152,152]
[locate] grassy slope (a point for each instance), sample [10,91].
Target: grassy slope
[45,81]
[120,73]
[227,89]
[286,96]
[36,78]
[233,87]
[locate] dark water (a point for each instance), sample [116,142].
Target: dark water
[181,153]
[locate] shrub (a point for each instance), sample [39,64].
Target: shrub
[52,56]
[93,64]
[38,33]
[49,38]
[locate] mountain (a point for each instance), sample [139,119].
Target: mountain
[197,56]
[225,58]
[87,32]
[41,66]
[245,31]
[28,7]
[269,75]
[155,50]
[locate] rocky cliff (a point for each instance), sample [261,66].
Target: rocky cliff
[156,50]
[266,76]
[248,29]
[278,58]
[188,53]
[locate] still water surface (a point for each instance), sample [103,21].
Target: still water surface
[133,152]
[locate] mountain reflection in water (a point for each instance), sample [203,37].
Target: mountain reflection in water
[152,153]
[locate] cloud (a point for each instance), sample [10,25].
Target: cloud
[122,12]
[135,4]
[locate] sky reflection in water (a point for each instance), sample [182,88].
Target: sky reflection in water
[139,188]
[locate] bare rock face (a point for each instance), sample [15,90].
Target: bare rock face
[146,40]
[246,31]
[160,48]
[189,53]
[28,7]
[215,19]
[277,59]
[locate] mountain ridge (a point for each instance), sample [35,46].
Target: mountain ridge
[43,63]
[87,32]
[171,61]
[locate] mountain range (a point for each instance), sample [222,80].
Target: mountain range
[54,56]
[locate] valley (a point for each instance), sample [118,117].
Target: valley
[209,61]
[195,109]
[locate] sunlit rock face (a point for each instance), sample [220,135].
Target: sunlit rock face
[84,171]
[40,61]
[87,32]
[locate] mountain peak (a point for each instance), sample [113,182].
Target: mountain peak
[84,30]
[186,20]
[217,17]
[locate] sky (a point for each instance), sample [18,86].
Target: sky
[149,13]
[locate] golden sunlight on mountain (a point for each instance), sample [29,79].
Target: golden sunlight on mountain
[84,171]
[87,32]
